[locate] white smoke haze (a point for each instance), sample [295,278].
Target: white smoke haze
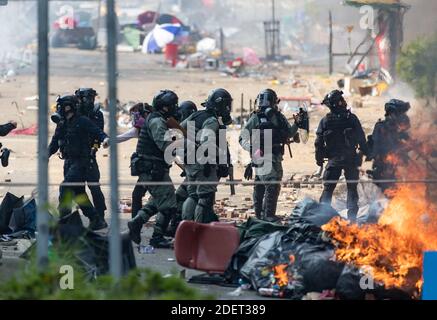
[17,35]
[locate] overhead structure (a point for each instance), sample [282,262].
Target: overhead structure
[272,36]
[384,42]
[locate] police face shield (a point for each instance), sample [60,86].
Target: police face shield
[87,103]
[57,116]
[171,111]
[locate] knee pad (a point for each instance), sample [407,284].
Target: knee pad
[206,200]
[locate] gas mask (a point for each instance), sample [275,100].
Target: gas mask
[225,114]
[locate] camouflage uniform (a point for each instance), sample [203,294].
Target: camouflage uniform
[200,202]
[265,196]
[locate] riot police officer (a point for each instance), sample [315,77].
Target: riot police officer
[4,152]
[267,161]
[91,110]
[338,136]
[186,108]
[72,137]
[150,164]
[387,139]
[200,166]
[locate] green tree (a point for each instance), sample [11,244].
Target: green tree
[417,66]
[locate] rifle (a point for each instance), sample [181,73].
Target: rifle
[231,172]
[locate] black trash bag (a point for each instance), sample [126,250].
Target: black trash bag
[9,203]
[24,218]
[312,211]
[256,228]
[265,253]
[239,258]
[94,254]
[70,228]
[91,249]
[301,230]
[348,284]
[318,270]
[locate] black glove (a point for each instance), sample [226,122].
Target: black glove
[248,173]
[222,170]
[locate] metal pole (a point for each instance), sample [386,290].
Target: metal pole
[222,43]
[242,107]
[273,31]
[99,18]
[331,58]
[115,239]
[43,101]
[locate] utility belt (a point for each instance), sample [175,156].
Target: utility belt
[140,165]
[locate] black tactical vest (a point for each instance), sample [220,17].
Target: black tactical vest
[266,124]
[76,141]
[146,145]
[340,133]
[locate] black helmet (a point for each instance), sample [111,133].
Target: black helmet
[86,98]
[85,92]
[185,109]
[220,100]
[61,103]
[166,98]
[396,107]
[67,100]
[335,100]
[267,99]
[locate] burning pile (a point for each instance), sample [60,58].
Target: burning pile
[393,248]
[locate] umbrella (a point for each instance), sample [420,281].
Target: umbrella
[160,36]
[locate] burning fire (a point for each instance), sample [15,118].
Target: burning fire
[281,274]
[393,248]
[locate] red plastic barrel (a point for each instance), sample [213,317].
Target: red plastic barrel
[171,53]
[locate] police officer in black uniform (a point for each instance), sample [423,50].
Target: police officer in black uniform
[388,137]
[91,110]
[72,136]
[338,136]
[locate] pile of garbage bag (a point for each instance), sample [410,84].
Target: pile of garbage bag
[17,218]
[296,259]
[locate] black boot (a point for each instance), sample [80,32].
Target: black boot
[135,226]
[97,223]
[161,225]
[161,243]
[5,157]
[174,223]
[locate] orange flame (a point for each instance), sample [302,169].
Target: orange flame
[281,275]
